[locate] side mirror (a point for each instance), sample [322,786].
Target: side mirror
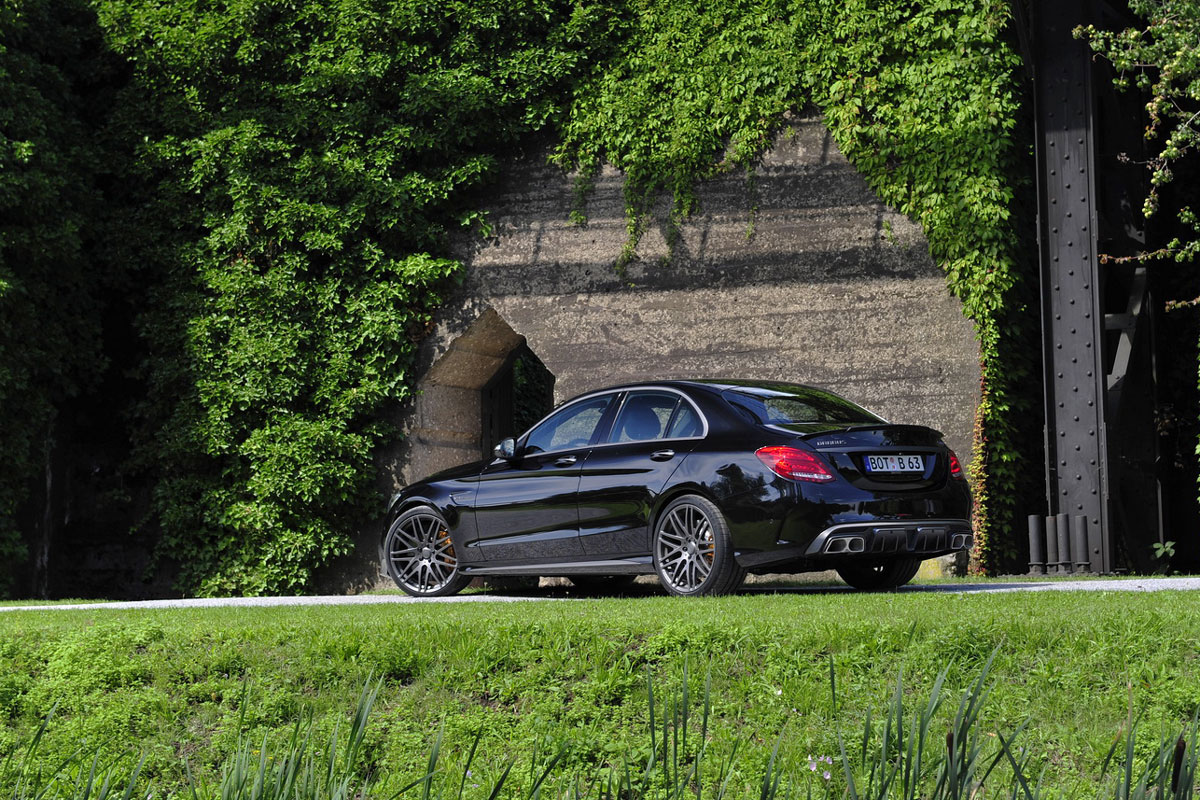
[506,450]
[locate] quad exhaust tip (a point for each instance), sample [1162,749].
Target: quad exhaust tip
[846,544]
[856,544]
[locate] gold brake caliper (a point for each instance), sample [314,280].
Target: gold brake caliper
[445,534]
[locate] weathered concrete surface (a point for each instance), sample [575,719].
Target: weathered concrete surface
[821,284]
[798,274]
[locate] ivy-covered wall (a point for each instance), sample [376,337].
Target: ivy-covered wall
[275,179]
[313,156]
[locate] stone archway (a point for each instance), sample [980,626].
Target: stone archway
[487,385]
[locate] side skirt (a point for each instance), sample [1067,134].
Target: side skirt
[641,565]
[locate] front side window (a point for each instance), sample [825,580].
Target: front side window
[569,428]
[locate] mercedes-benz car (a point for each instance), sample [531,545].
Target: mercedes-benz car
[697,481]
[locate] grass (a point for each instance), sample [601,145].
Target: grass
[518,686]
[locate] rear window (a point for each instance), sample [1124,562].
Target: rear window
[802,404]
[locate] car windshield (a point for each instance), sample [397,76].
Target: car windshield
[799,404]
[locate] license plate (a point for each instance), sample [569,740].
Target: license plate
[895,464]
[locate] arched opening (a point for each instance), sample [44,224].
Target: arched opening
[487,385]
[520,394]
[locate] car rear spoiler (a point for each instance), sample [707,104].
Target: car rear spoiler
[870,427]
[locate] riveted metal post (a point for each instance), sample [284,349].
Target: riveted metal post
[1079,544]
[1037,545]
[1051,546]
[1062,528]
[1076,451]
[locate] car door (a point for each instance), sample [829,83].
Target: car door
[526,508]
[652,432]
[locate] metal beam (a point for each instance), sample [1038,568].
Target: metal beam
[1072,315]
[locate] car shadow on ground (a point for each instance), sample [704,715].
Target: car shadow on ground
[908,589]
[651,589]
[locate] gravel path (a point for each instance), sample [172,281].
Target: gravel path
[1086,585]
[1016,585]
[316,600]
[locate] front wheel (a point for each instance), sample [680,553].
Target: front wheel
[419,555]
[693,552]
[880,577]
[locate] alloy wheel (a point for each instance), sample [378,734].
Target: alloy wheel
[421,554]
[685,547]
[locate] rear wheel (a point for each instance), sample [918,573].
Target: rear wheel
[880,577]
[693,552]
[420,557]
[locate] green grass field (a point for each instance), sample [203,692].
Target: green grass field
[529,679]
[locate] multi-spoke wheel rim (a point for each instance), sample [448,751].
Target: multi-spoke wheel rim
[421,553]
[685,548]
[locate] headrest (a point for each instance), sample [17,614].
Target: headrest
[639,423]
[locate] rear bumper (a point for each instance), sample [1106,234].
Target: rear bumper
[927,538]
[865,541]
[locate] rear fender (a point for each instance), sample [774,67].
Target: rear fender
[670,494]
[750,528]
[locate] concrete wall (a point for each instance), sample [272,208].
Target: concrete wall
[825,286]
[820,283]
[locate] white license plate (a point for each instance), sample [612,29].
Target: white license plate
[895,464]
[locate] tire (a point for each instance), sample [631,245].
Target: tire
[419,555]
[603,584]
[880,577]
[693,552]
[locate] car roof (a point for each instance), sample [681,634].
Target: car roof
[714,384]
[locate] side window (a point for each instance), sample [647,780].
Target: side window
[644,416]
[685,423]
[571,427]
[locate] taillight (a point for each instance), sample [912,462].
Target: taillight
[793,464]
[956,470]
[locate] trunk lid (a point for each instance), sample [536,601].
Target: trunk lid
[879,456]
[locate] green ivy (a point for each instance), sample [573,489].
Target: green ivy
[699,88]
[1162,60]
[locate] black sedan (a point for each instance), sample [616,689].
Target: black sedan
[697,481]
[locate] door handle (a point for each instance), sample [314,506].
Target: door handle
[662,455]
[564,461]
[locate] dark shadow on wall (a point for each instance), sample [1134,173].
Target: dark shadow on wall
[486,386]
